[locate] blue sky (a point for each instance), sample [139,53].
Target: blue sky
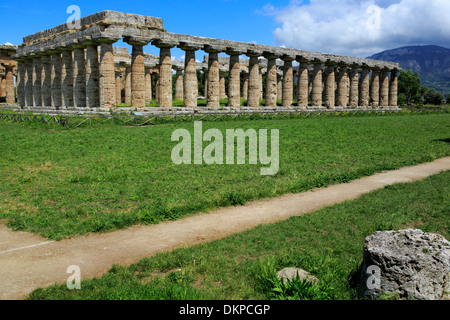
[349,27]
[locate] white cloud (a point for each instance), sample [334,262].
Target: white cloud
[361,28]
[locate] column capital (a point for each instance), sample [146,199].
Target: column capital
[162,43]
[287,57]
[253,53]
[234,51]
[208,48]
[189,46]
[137,40]
[106,38]
[271,55]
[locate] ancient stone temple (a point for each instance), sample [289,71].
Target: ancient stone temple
[65,69]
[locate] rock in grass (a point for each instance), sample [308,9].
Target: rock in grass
[406,264]
[291,273]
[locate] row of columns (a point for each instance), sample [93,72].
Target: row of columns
[83,75]
[7,83]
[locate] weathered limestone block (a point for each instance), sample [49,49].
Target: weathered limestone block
[292,273]
[408,264]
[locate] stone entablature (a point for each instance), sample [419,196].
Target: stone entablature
[333,80]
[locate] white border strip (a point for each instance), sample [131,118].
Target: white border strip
[27,247]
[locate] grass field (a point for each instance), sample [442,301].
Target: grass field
[62,183]
[328,243]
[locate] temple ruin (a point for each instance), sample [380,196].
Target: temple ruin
[66,69]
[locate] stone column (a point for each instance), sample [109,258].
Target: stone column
[213,77]
[330,90]
[165,73]
[375,89]
[279,85]
[205,76]
[79,77]
[46,80]
[92,76]
[128,85]
[107,81]
[37,83]
[2,85]
[148,85]
[9,84]
[118,85]
[384,89]
[393,89]
[190,81]
[317,85]
[303,85]
[234,80]
[271,80]
[55,77]
[179,83]
[137,71]
[28,82]
[261,86]
[20,82]
[254,90]
[343,87]
[288,81]
[364,100]
[245,86]
[354,87]
[222,85]
[67,78]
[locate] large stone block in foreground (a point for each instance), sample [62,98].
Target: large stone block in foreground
[408,264]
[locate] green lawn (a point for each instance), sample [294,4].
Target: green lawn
[328,243]
[62,183]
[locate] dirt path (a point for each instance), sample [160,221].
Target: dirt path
[28,262]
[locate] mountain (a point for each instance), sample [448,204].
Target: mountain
[431,62]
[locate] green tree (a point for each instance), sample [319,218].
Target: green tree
[448,98]
[433,97]
[409,85]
